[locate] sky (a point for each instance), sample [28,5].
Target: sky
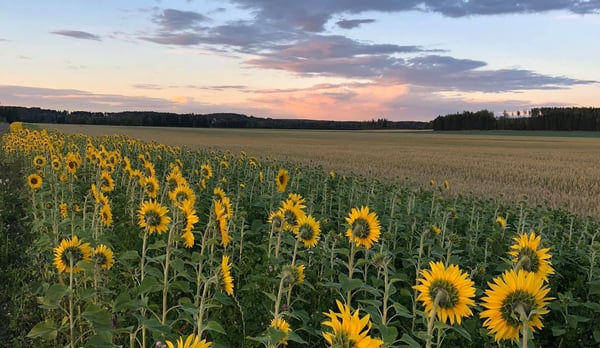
[309,59]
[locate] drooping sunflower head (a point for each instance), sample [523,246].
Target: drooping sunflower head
[152,216]
[527,255]
[225,278]
[106,216]
[261,177]
[107,183]
[63,209]
[448,289]
[206,171]
[292,213]
[349,330]
[299,274]
[282,179]
[512,296]
[182,193]
[364,227]
[34,181]
[307,230]
[276,219]
[222,223]
[282,325]
[192,341]
[69,252]
[150,184]
[56,164]
[103,256]
[501,222]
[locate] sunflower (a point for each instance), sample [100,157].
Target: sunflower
[299,274]
[292,213]
[217,191]
[297,199]
[39,161]
[527,255]
[182,193]
[206,171]
[175,178]
[448,289]
[436,229]
[72,161]
[226,203]
[307,231]
[70,252]
[277,219]
[190,219]
[349,330]
[226,280]
[283,176]
[221,222]
[511,296]
[150,184]
[364,227]
[280,324]
[34,181]
[63,209]
[261,177]
[103,256]
[501,222]
[192,341]
[149,167]
[153,217]
[106,215]
[56,164]
[107,183]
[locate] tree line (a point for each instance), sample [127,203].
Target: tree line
[213,120]
[546,119]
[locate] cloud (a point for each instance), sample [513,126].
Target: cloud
[352,23]
[175,20]
[73,100]
[312,15]
[77,34]
[151,86]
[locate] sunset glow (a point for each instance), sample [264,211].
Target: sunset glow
[342,60]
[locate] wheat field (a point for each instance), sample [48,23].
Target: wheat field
[559,172]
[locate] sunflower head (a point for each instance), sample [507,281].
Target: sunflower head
[364,227]
[69,252]
[283,176]
[513,296]
[206,171]
[192,341]
[348,329]
[107,183]
[34,181]
[153,217]
[63,209]
[106,215]
[527,255]
[282,325]
[103,256]
[501,222]
[448,289]
[225,278]
[39,161]
[307,230]
[182,193]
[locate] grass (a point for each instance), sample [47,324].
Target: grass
[560,172]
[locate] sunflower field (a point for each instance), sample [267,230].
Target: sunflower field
[114,242]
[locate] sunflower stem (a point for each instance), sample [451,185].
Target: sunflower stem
[524,325]
[71,323]
[350,269]
[431,319]
[166,275]
[278,300]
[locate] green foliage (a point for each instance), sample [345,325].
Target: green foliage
[158,290]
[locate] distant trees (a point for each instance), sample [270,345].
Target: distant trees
[547,118]
[214,120]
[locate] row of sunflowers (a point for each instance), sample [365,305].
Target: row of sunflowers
[142,244]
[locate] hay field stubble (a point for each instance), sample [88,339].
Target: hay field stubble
[550,170]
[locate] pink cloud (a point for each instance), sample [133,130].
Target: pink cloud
[331,101]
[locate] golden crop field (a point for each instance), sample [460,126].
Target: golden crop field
[555,171]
